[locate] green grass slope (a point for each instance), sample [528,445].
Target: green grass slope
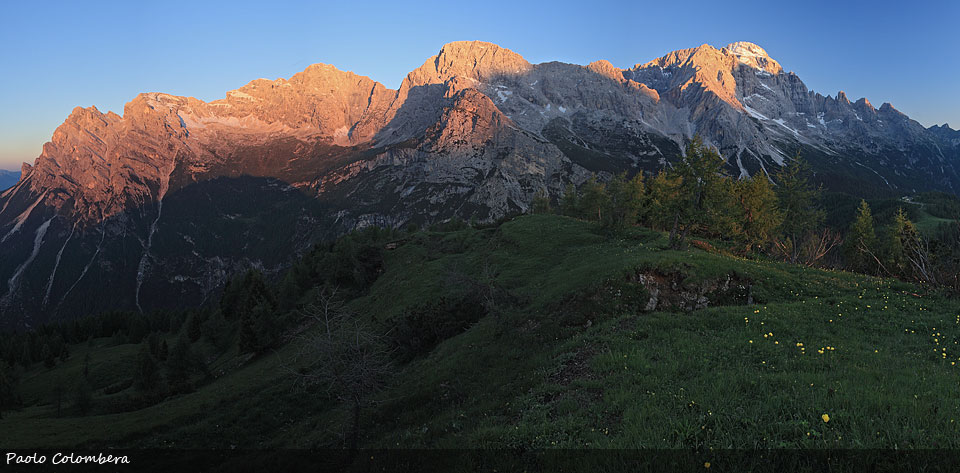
[574,359]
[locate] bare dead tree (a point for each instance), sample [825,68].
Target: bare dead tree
[819,244]
[326,308]
[864,248]
[814,247]
[918,253]
[786,250]
[343,357]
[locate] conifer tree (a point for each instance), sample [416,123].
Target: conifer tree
[903,239]
[663,200]
[697,196]
[798,201]
[146,375]
[217,330]
[624,201]
[760,211]
[593,200]
[861,243]
[180,361]
[724,215]
[541,203]
[242,294]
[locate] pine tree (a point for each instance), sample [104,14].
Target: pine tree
[241,295]
[217,330]
[798,201]
[861,243]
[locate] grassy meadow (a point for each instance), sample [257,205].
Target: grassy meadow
[790,357]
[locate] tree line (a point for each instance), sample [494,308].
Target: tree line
[779,216]
[176,347]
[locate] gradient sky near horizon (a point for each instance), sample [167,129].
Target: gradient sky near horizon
[58,55]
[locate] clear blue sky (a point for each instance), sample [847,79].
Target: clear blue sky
[58,55]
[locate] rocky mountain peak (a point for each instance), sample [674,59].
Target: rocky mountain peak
[604,68]
[864,106]
[703,55]
[754,56]
[320,71]
[477,60]
[746,48]
[888,109]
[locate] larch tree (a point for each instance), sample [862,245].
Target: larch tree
[761,215]
[698,174]
[593,199]
[570,202]
[861,242]
[625,199]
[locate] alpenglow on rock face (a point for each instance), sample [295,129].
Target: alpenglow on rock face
[160,205]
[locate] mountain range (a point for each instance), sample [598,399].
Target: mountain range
[8,179]
[159,206]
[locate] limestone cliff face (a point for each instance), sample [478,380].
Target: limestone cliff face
[171,196]
[98,164]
